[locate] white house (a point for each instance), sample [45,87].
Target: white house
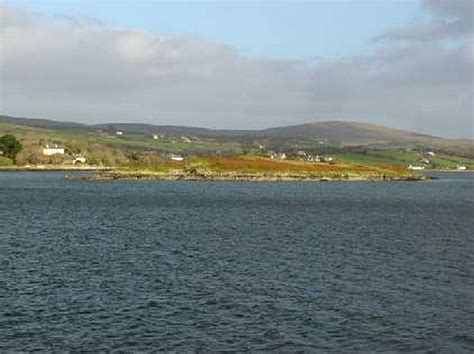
[119,132]
[416,168]
[53,150]
[155,137]
[176,158]
[462,168]
[79,159]
[278,155]
[430,153]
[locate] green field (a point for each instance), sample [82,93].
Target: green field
[405,158]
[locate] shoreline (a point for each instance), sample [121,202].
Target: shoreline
[134,176]
[53,168]
[450,171]
[103,173]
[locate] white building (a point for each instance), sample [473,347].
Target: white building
[278,155]
[53,150]
[416,168]
[176,158]
[462,168]
[79,159]
[155,137]
[119,132]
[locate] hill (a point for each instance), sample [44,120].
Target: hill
[348,133]
[336,131]
[348,142]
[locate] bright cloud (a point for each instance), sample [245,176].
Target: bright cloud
[79,69]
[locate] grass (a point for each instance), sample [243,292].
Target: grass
[393,157]
[404,158]
[253,165]
[171,145]
[33,136]
[5,161]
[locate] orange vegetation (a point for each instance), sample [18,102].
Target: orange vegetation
[246,164]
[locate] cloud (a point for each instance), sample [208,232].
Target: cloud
[448,19]
[85,71]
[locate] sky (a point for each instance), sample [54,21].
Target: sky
[242,65]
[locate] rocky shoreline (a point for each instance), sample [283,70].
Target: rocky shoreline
[110,176]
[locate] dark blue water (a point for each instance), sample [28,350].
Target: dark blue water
[148,265]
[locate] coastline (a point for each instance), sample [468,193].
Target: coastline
[103,173]
[449,171]
[53,168]
[236,177]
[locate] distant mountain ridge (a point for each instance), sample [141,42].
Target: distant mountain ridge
[338,131]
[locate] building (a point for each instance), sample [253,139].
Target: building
[176,158]
[53,150]
[79,159]
[416,168]
[301,153]
[278,155]
[462,168]
[119,132]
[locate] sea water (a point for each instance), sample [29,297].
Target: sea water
[150,265]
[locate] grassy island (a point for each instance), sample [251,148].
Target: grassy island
[255,168]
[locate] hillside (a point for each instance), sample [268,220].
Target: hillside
[143,144]
[347,133]
[336,131]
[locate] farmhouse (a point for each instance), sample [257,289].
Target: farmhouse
[53,150]
[176,158]
[278,155]
[79,159]
[416,168]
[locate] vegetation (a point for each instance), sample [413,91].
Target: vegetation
[267,166]
[5,161]
[240,154]
[10,146]
[253,168]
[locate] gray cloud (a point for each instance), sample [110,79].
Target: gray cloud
[449,19]
[85,71]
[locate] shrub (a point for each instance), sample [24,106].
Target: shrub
[5,161]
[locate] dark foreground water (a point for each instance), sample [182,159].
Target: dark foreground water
[147,265]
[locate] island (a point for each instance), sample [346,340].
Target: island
[254,169]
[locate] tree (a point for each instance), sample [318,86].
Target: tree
[10,146]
